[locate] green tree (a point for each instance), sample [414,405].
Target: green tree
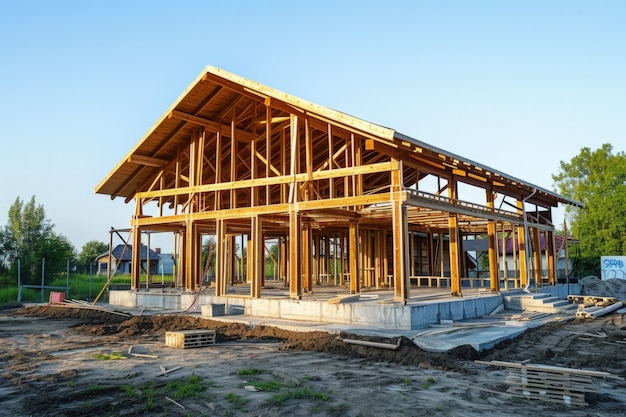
[598,180]
[29,236]
[208,249]
[88,254]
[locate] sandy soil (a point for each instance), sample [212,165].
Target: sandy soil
[49,367]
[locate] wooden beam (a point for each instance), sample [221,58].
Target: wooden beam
[147,160]
[224,128]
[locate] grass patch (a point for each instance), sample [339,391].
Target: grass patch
[192,387]
[128,390]
[109,356]
[250,371]
[428,383]
[153,393]
[237,401]
[281,399]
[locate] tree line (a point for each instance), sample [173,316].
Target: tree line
[597,178]
[30,237]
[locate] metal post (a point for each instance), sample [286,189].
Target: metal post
[43,267]
[19,282]
[90,278]
[67,285]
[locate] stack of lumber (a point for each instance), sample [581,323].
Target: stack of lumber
[85,306]
[591,307]
[550,383]
[186,339]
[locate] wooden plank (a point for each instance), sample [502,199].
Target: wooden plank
[548,368]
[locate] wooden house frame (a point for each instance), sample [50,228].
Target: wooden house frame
[234,158]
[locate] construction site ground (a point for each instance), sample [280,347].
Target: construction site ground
[60,361]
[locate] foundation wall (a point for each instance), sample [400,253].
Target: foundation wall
[361,313]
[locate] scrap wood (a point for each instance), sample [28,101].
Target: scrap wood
[167,371]
[597,334]
[528,395]
[177,403]
[68,303]
[140,355]
[610,343]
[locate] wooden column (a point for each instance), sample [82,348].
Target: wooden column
[492,237]
[136,258]
[307,258]
[537,257]
[455,245]
[431,254]
[378,258]
[255,257]
[400,252]
[400,238]
[521,240]
[220,258]
[355,278]
[283,261]
[327,258]
[190,267]
[295,269]
[550,256]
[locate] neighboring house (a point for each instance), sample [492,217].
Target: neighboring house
[121,257]
[166,263]
[559,250]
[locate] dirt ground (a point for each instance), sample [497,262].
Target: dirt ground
[72,362]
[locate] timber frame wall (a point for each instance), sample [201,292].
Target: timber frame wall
[238,160]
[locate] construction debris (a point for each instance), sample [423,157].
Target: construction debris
[167,371]
[175,402]
[141,355]
[68,303]
[550,383]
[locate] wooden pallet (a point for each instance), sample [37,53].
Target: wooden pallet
[186,339]
[550,383]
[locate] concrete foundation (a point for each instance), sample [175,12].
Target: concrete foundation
[376,309]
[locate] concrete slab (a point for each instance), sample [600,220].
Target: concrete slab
[371,313]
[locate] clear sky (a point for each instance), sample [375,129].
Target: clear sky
[515,85]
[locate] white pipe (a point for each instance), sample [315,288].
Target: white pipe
[606,310]
[373,344]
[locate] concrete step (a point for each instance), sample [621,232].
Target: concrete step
[538,302]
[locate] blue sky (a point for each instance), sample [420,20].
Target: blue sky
[515,85]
